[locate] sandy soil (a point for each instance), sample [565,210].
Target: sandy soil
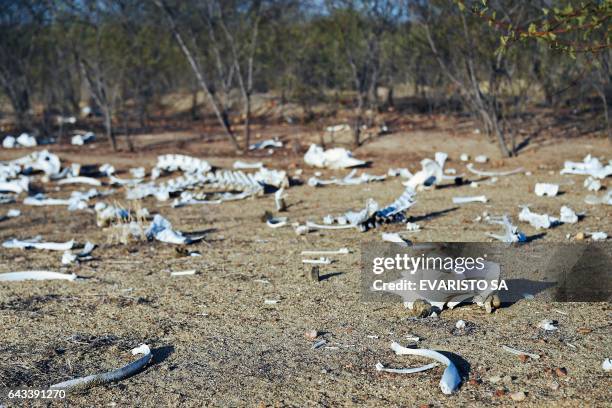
[216,342]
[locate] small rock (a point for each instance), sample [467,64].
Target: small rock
[553,385]
[500,392]
[518,396]
[584,330]
[523,357]
[474,382]
[561,371]
[507,379]
[311,334]
[579,236]
[495,379]
[460,324]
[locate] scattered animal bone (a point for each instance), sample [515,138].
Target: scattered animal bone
[276,222]
[279,200]
[403,173]
[138,172]
[464,157]
[124,182]
[450,380]
[303,229]
[80,180]
[111,376]
[320,261]
[472,199]
[595,200]
[340,251]
[271,301]
[314,225]
[395,238]
[35,275]
[266,144]
[511,232]
[590,166]
[26,140]
[460,324]
[42,160]
[9,142]
[338,128]
[15,186]
[547,325]
[337,158]
[12,213]
[483,173]
[481,158]
[85,254]
[520,353]
[183,273]
[80,140]
[607,365]
[107,169]
[349,180]
[35,243]
[546,189]
[599,236]
[187,164]
[568,216]
[319,344]
[380,367]
[592,184]
[413,227]
[6,199]
[240,165]
[536,220]
[161,230]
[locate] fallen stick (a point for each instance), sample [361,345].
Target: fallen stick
[111,376]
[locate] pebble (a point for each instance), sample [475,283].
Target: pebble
[500,392]
[495,379]
[518,396]
[553,385]
[523,357]
[460,324]
[579,236]
[311,334]
[561,371]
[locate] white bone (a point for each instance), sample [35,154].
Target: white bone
[568,216]
[395,238]
[404,173]
[276,222]
[547,325]
[413,227]
[161,230]
[35,275]
[450,380]
[26,140]
[240,165]
[595,200]
[336,158]
[464,157]
[592,184]
[535,220]
[380,367]
[36,244]
[111,376]
[40,200]
[589,166]
[341,251]
[80,180]
[483,173]
[546,189]
[472,199]
[519,352]
[279,199]
[511,232]
[320,261]
[183,273]
[266,144]
[310,224]
[599,236]
[481,158]
[606,365]
[9,142]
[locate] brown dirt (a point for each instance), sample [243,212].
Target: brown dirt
[218,344]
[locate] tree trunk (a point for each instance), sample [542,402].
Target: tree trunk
[247,122]
[108,126]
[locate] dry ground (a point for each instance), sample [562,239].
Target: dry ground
[217,344]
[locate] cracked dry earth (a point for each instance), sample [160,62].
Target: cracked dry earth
[217,343]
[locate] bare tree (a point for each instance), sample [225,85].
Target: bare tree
[197,69]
